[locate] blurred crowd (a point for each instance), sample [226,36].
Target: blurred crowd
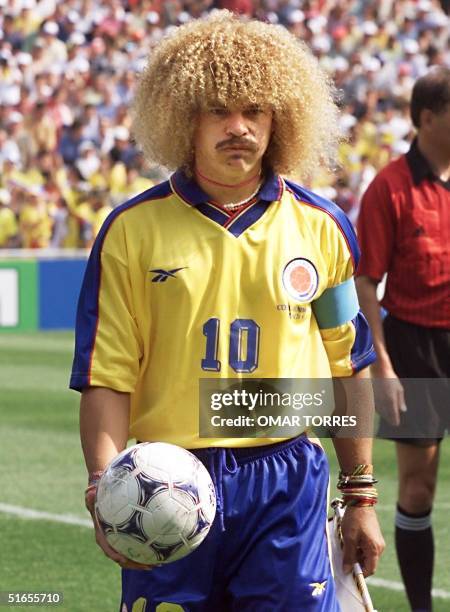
[68,71]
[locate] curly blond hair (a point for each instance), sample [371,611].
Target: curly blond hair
[225,59]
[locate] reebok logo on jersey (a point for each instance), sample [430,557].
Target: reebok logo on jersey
[163,275]
[318,588]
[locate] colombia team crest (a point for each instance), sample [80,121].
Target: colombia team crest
[300,279]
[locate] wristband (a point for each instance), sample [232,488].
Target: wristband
[360,497]
[94,477]
[344,483]
[361,469]
[361,476]
[364,502]
[93,480]
[89,496]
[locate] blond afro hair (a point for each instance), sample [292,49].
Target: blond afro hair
[225,59]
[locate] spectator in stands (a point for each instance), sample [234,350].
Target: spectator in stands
[91,127]
[34,220]
[10,79]
[70,142]
[8,224]
[10,34]
[70,69]
[60,229]
[27,20]
[133,184]
[88,162]
[98,201]
[42,130]
[8,148]
[55,51]
[122,150]
[242,7]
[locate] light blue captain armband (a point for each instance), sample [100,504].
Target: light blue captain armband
[337,305]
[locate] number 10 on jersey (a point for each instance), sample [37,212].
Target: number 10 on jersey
[243,345]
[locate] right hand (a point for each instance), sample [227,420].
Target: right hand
[389,394]
[102,541]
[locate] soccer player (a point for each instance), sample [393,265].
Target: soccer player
[229,270]
[404,229]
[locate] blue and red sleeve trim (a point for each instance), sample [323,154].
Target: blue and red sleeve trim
[362,353]
[333,210]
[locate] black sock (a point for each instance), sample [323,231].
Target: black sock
[415,553]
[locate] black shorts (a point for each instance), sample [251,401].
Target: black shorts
[421,359]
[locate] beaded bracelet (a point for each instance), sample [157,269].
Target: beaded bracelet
[361,476]
[360,496]
[359,491]
[94,477]
[360,503]
[345,483]
[357,487]
[361,469]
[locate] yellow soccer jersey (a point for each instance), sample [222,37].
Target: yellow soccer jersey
[8,226]
[176,289]
[35,226]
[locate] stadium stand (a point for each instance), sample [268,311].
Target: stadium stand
[67,73]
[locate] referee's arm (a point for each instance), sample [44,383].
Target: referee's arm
[390,400]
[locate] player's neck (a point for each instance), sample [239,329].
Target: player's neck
[439,161]
[229,190]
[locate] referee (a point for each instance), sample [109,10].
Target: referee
[404,231]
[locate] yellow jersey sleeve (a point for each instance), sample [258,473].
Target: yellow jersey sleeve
[115,348]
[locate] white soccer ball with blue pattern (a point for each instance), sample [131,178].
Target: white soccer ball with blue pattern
[155,503]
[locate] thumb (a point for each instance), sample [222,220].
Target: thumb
[89,499]
[401,398]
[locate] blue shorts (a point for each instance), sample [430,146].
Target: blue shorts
[267,549]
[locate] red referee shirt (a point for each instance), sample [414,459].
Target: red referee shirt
[404,230]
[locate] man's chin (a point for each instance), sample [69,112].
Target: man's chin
[240,162]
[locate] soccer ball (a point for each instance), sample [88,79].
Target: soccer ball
[155,503]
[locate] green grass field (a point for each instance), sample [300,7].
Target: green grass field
[42,470]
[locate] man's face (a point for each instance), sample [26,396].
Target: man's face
[439,129]
[231,140]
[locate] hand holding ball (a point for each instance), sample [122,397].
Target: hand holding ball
[155,503]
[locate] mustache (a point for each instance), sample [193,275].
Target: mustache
[238,143]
